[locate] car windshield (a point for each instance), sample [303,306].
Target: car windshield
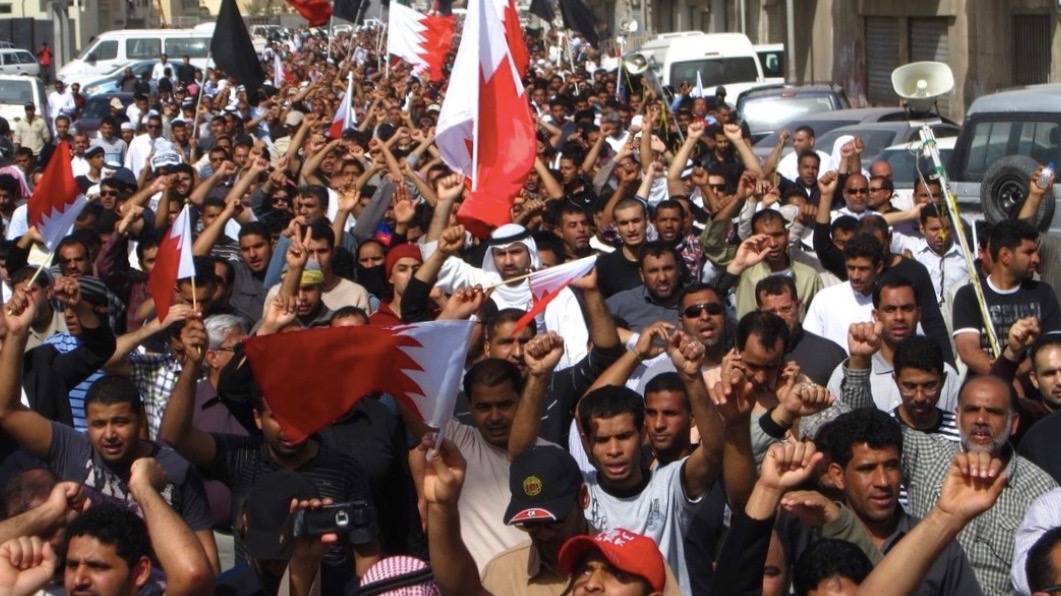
[715,71]
[96,107]
[14,91]
[904,161]
[874,141]
[820,127]
[771,112]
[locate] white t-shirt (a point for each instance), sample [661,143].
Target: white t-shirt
[485,495]
[834,309]
[661,511]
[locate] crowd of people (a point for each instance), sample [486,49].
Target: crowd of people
[777,379]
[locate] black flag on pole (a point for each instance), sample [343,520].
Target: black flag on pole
[348,10]
[542,9]
[578,17]
[232,50]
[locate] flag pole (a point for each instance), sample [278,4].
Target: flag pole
[198,104]
[33,278]
[331,24]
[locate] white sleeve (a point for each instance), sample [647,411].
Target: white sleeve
[1044,514]
[456,273]
[19,224]
[812,322]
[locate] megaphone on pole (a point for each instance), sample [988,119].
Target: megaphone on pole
[920,83]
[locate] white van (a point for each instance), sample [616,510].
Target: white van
[727,59]
[18,90]
[114,49]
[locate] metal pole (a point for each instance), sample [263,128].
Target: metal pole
[790,49]
[743,6]
[928,140]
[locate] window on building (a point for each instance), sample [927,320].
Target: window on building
[1032,41]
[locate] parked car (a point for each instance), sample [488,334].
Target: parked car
[6,44]
[823,122]
[18,62]
[909,158]
[112,81]
[769,109]
[16,91]
[96,108]
[878,136]
[1005,136]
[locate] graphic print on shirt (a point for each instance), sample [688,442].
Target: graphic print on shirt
[104,486]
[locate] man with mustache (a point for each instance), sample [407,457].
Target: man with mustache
[987,417]
[896,315]
[865,448]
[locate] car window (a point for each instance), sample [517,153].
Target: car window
[195,47]
[993,140]
[97,107]
[903,163]
[104,50]
[16,92]
[26,58]
[714,72]
[772,62]
[140,48]
[769,113]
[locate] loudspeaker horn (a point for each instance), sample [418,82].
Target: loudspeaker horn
[635,64]
[920,83]
[629,26]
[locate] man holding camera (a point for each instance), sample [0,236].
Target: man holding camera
[240,462]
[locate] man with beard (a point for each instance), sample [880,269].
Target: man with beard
[239,461]
[806,183]
[770,228]
[101,460]
[817,357]
[865,448]
[1010,292]
[548,498]
[835,308]
[658,297]
[574,229]
[670,225]
[987,417]
[895,317]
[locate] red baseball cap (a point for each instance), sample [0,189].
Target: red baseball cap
[629,552]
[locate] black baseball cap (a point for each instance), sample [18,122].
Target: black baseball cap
[263,522]
[544,481]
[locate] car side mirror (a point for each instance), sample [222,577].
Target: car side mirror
[91,58]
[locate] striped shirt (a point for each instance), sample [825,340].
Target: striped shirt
[946,426]
[66,343]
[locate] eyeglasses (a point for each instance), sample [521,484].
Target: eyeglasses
[712,308]
[857,191]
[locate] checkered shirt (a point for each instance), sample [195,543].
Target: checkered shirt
[155,376]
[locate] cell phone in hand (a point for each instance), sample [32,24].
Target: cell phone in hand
[356,519]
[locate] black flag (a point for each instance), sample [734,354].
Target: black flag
[232,50]
[542,9]
[578,17]
[349,10]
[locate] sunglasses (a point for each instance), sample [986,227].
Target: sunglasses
[712,308]
[857,191]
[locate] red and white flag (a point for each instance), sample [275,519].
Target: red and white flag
[485,130]
[422,40]
[311,378]
[514,35]
[546,285]
[344,117]
[57,201]
[172,262]
[278,71]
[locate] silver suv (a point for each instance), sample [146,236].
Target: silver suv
[1005,136]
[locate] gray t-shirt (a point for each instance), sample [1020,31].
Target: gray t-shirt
[113,150]
[72,457]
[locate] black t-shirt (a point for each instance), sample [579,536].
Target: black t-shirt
[616,273]
[1029,299]
[1040,445]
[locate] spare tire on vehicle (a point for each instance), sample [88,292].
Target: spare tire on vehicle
[1005,187]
